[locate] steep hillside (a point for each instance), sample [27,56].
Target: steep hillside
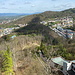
[24,48]
[24,61]
[35,27]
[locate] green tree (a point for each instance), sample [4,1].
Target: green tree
[7,65]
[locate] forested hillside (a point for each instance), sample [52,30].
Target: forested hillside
[43,16]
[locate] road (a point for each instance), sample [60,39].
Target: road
[58,32]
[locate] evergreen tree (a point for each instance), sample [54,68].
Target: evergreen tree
[7,65]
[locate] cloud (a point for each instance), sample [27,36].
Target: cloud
[53,0]
[62,6]
[20,7]
[2,3]
[27,2]
[12,4]
[33,6]
[3,8]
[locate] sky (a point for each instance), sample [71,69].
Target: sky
[33,6]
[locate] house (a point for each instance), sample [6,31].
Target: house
[13,36]
[67,21]
[43,22]
[66,67]
[63,22]
[69,33]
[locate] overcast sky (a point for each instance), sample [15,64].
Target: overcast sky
[33,6]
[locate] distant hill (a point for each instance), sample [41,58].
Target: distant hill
[17,14]
[44,16]
[72,10]
[12,14]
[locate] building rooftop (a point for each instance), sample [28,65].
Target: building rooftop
[59,61]
[73,61]
[13,36]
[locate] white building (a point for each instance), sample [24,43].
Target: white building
[68,67]
[43,22]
